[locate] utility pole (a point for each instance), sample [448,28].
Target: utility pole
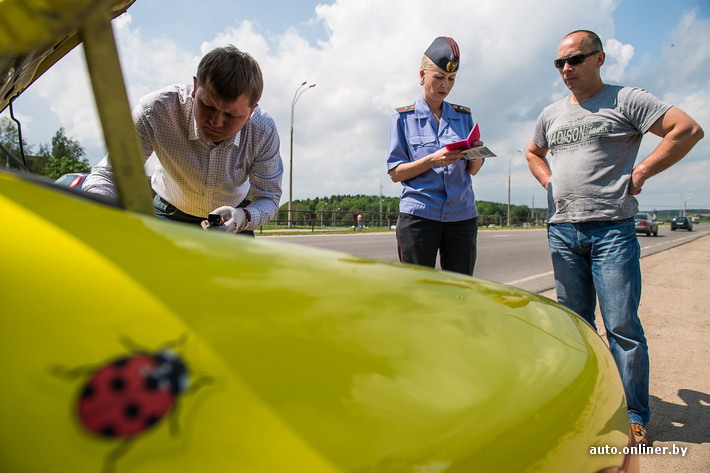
[380,214]
[296,95]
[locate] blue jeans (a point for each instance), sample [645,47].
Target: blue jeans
[601,259]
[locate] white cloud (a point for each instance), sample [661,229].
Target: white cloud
[64,88]
[618,56]
[367,64]
[686,60]
[150,63]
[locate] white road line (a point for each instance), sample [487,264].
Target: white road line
[550,273]
[529,278]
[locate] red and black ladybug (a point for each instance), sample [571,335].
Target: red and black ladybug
[128,396]
[132,394]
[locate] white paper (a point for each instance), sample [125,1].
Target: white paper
[478,152]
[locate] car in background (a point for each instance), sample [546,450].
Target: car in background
[646,224]
[681,222]
[193,350]
[73,180]
[695,219]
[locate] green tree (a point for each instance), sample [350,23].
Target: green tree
[9,137]
[57,167]
[62,145]
[66,155]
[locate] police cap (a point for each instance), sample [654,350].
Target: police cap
[444,52]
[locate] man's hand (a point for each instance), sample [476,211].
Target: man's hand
[635,185]
[234,220]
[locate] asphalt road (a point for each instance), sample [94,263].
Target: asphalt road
[674,308]
[516,257]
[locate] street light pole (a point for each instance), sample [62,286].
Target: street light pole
[684,198]
[510,160]
[296,96]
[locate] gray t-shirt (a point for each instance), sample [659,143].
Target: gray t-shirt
[592,150]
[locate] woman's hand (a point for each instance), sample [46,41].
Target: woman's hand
[444,157]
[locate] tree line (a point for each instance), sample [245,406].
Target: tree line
[63,155]
[382,204]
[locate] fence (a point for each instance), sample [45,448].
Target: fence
[347,219]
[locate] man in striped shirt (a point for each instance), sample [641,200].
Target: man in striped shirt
[213,143]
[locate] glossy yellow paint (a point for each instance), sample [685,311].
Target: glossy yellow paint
[319,361]
[310,361]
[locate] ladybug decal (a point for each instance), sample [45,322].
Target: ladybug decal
[132,394]
[126,397]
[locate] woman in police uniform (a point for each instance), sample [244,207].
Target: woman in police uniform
[437,208]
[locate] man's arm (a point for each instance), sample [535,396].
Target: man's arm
[265,176]
[100,181]
[680,133]
[538,163]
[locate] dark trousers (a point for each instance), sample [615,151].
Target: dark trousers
[420,239]
[164,209]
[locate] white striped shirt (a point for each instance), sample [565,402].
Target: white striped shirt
[194,174]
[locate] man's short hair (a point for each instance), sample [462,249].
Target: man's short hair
[592,40]
[231,73]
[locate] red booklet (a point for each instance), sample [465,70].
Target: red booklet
[474,136]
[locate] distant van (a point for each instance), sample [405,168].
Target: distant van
[695,219]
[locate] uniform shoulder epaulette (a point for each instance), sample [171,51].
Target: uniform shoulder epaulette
[408,108]
[461,108]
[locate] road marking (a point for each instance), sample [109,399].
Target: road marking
[550,273]
[529,278]
[677,241]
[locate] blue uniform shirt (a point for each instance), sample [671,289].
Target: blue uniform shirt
[443,193]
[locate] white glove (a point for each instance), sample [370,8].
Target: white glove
[234,220]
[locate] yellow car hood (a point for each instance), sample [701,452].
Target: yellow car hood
[306,360]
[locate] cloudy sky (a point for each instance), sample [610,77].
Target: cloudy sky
[363,56]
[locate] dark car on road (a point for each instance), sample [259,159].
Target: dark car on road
[646,224]
[681,222]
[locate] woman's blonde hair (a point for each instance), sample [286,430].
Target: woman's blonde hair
[427,64]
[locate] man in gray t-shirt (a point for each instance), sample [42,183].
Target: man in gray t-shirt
[593,147]
[583,152]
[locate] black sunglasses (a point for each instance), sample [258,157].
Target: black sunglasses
[573,60]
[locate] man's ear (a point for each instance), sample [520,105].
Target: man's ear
[252,110]
[194,86]
[602,57]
